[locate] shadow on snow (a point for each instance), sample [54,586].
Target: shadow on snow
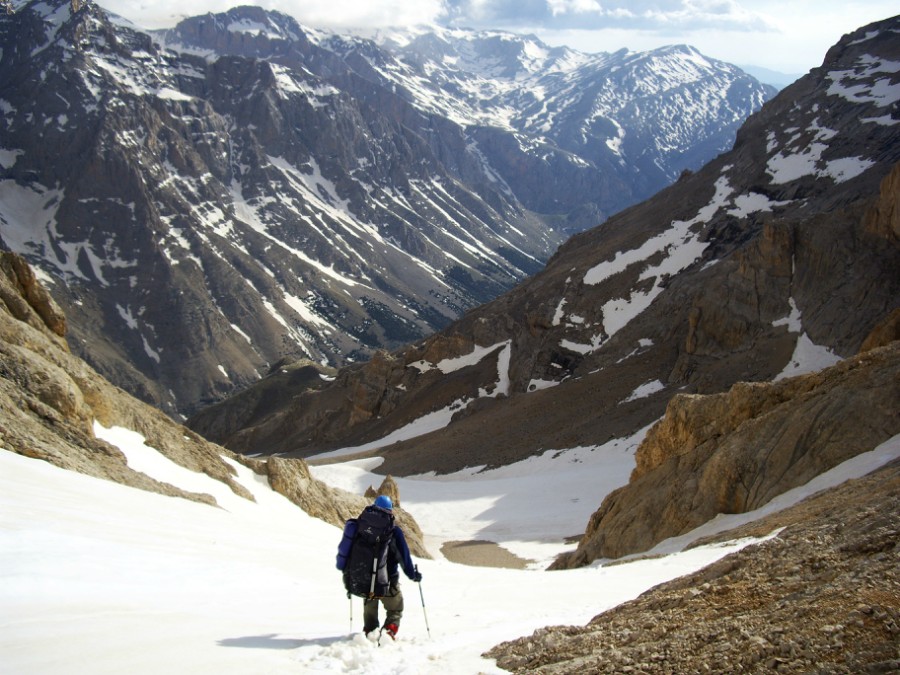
[273,641]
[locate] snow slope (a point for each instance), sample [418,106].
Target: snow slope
[97,577]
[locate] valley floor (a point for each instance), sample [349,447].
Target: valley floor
[96,577]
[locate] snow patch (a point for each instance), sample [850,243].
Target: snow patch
[861,84]
[645,390]
[538,385]
[558,314]
[149,351]
[127,317]
[808,357]
[170,94]
[792,320]
[451,365]
[753,202]
[8,158]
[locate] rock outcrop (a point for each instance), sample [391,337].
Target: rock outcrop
[883,219]
[734,452]
[820,597]
[291,477]
[884,333]
[388,488]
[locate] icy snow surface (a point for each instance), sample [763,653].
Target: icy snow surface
[97,577]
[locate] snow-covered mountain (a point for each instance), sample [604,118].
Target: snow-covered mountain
[129,544]
[209,200]
[643,117]
[777,258]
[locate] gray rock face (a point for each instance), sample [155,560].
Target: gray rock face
[207,201]
[783,243]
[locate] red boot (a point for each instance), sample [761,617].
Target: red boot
[391,629]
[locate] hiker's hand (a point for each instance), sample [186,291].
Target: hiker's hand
[417,577]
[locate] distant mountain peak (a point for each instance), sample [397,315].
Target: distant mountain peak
[210,199]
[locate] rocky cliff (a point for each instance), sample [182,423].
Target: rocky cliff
[736,451]
[50,400]
[821,596]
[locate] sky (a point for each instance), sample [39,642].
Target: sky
[789,37]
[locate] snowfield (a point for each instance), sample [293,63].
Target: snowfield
[96,577]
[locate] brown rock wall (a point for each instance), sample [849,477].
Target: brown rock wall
[883,219]
[734,452]
[26,299]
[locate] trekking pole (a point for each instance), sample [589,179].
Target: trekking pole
[350,598]
[424,611]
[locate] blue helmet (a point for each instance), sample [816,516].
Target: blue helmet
[384,502]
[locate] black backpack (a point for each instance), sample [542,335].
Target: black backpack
[365,573]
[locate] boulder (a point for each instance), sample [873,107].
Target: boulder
[389,488]
[292,478]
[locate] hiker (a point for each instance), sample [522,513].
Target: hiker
[370,554]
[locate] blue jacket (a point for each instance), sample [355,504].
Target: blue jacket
[398,552]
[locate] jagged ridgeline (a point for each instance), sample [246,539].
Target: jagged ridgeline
[241,191]
[779,256]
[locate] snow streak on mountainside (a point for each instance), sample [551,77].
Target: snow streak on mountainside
[776,258]
[209,200]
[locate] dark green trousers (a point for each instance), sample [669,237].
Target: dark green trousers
[393,606]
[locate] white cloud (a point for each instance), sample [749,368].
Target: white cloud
[558,7]
[785,36]
[314,13]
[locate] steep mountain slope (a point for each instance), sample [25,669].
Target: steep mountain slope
[208,200]
[52,406]
[779,254]
[197,215]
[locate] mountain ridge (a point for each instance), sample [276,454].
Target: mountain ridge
[210,200]
[764,263]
